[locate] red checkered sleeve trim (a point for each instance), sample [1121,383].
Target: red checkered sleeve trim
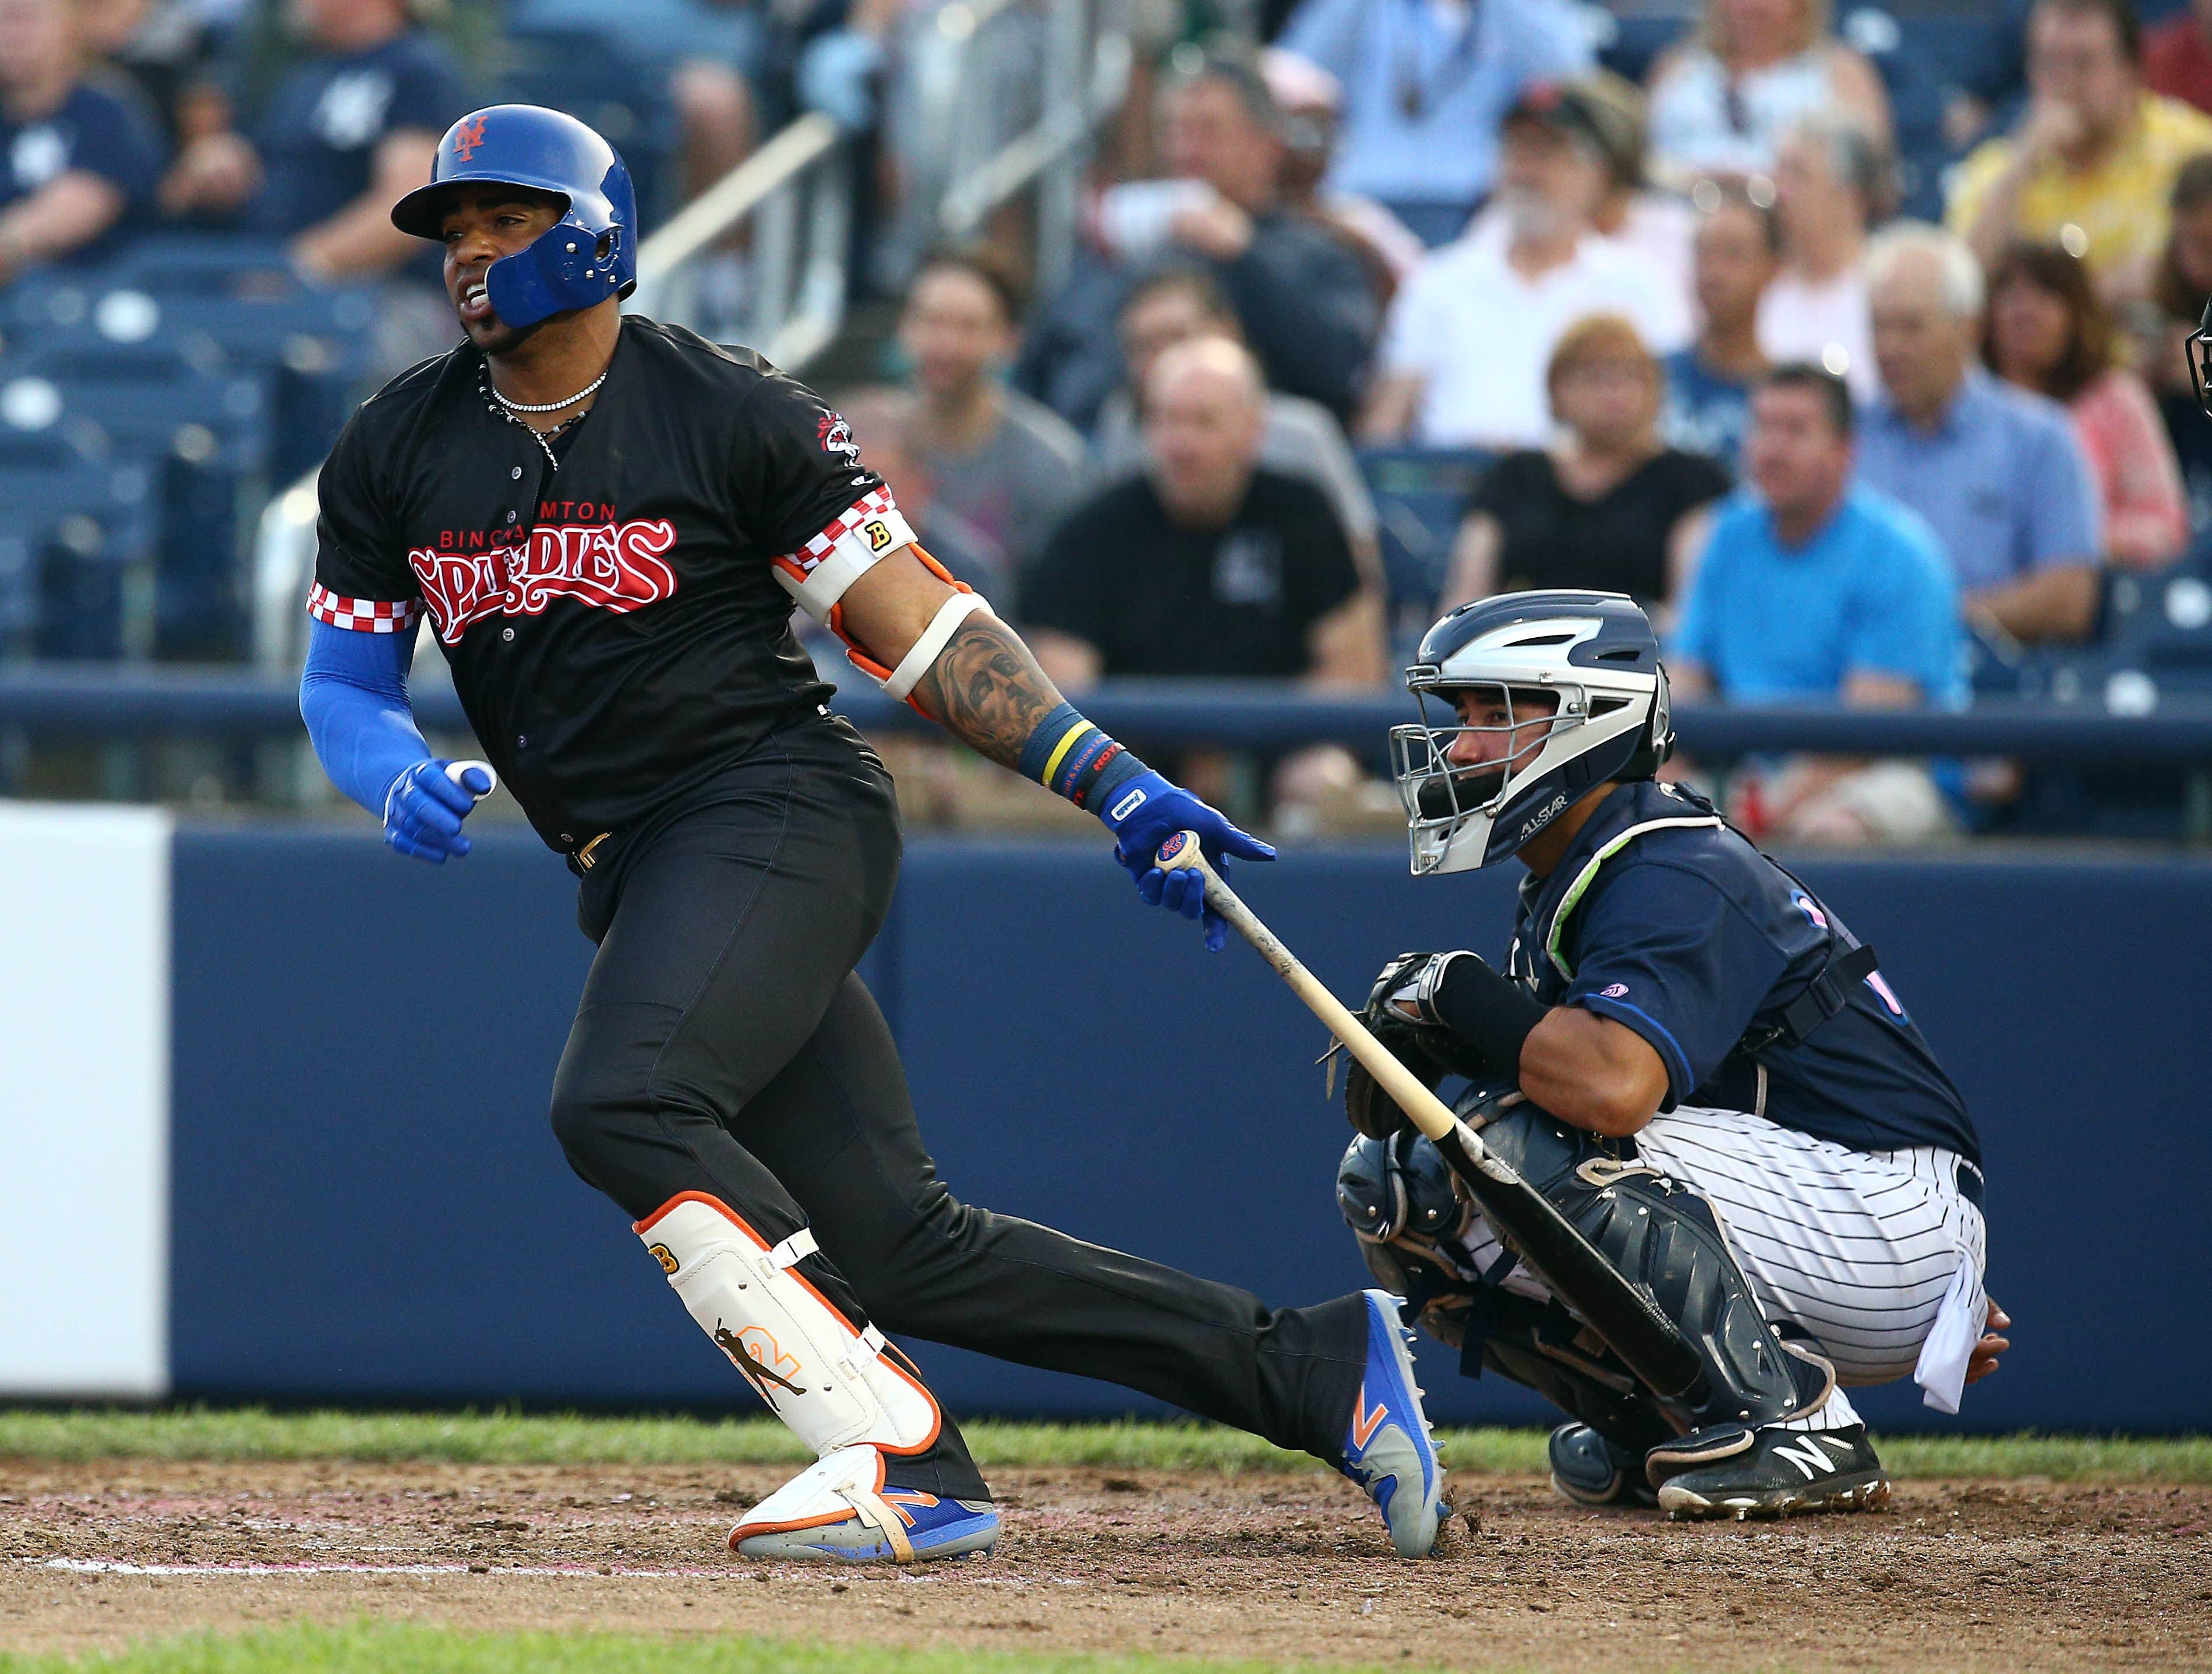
[362,616]
[803,562]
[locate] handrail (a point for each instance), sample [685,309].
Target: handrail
[716,211]
[969,201]
[793,196]
[103,701]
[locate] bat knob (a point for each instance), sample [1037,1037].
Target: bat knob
[1180,852]
[454,769]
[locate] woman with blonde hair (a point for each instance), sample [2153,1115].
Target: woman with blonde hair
[1609,505]
[1723,99]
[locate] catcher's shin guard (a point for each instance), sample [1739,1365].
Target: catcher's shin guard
[837,1386]
[1664,1236]
[1542,1346]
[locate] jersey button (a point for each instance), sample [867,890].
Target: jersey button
[510,517]
[507,633]
[522,740]
[516,473]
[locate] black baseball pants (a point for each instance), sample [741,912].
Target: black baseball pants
[724,1045]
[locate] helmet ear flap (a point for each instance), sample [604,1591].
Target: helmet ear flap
[1658,741]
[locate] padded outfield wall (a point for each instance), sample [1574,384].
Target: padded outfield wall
[272,1109]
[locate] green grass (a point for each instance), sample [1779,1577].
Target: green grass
[395,1649]
[510,1438]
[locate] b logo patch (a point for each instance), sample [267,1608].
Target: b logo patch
[879,534]
[664,1255]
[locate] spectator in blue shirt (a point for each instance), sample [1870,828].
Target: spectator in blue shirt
[1708,384]
[1426,84]
[1997,471]
[75,159]
[352,126]
[1813,590]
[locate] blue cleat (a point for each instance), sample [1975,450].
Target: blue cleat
[839,1511]
[1387,1447]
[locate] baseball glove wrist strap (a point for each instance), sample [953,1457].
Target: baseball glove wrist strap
[832,1382]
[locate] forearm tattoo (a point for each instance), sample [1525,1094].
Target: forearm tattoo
[986,689]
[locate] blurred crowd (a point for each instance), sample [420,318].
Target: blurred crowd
[1835,381]
[1686,333]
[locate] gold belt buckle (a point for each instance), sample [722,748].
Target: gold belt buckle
[584,858]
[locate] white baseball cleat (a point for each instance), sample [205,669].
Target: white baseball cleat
[838,1511]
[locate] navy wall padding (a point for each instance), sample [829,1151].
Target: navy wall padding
[370,1207]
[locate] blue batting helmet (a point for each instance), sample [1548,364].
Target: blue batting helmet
[589,256]
[1585,699]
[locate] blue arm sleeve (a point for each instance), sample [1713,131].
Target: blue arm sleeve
[353,697]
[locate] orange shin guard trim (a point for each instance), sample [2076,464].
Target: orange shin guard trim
[890,1358]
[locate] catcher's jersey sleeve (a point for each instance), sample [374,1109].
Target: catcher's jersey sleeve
[1665,951]
[363,580]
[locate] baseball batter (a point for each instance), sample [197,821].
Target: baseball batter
[1691,1054]
[606,521]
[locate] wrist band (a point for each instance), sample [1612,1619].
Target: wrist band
[1496,1014]
[1071,757]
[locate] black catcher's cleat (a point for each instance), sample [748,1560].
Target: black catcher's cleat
[1782,1473]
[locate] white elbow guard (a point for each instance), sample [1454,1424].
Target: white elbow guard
[901,680]
[818,573]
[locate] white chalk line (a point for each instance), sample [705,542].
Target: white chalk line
[114,1566]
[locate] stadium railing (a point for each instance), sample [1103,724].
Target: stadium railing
[794,195]
[81,701]
[1084,61]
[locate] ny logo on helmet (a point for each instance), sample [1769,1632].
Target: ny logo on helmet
[467,138]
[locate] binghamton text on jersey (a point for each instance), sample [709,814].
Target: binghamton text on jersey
[618,622]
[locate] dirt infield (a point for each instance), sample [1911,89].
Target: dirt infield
[1972,1576]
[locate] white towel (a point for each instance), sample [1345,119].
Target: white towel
[1941,1373]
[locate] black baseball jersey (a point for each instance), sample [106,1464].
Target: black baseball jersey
[618,622]
[1667,921]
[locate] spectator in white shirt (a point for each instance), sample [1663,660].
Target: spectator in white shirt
[1471,333]
[1723,99]
[1658,227]
[1830,182]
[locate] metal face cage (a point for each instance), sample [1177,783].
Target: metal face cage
[1442,797]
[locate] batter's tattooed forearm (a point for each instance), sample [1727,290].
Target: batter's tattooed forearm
[986,690]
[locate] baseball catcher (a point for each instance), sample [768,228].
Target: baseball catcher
[1689,1055]
[606,521]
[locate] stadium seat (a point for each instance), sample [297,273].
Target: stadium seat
[1420,495]
[1632,33]
[206,436]
[2161,622]
[585,73]
[73,533]
[1926,52]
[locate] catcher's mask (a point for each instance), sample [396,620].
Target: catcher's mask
[2200,359]
[1571,694]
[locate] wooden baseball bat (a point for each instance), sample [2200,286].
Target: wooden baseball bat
[1652,1344]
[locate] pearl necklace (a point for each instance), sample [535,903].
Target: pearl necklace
[590,388]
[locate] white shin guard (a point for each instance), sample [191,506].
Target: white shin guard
[834,1386]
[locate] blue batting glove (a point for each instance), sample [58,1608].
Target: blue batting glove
[425,804]
[1146,820]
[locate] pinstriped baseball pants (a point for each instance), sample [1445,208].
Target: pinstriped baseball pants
[1857,1249]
